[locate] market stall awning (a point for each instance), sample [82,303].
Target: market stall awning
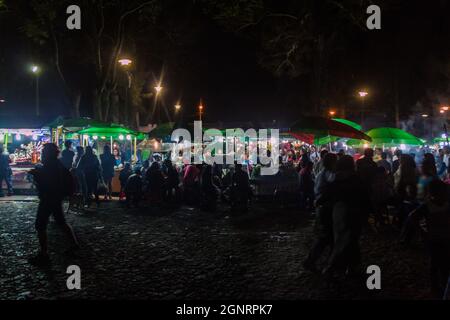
[387,137]
[114,131]
[308,129]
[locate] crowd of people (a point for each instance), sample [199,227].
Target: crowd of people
[393,189]
[343,191]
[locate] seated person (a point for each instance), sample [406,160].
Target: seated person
[133,188]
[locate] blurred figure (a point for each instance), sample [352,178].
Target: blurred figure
[324,209]
[436,211]
[125,173]
[90,166]
[405,186]
[67,155]
[54,182]
[107,162]
[385,163]
[210,192]
[5,172]
[133,189]
[191,180]
[318,166]
[306,185]
[241,192]
[172,181]
[155,182]
[428,173]
[350,201]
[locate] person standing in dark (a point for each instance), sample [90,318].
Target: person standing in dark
[172,180]
[155,182]
[79,174]
[54,182]
[107,162]
[90,166]
[350,201]
[366,169]
[67,155]
[209,190]
[133,189]
[324,211]
[5,172]
[306,185]
[125,173]
[240,189]
[385,163]
[396,160]
[436,211]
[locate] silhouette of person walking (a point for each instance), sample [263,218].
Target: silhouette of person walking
[54,182]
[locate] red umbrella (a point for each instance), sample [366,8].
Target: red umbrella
[307,128]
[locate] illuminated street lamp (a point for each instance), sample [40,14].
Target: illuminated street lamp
[445,108]
[2,100]
[332,113]
[177,107]
[200,110]
[36,70]
[125,62]
[424,115]
[158,89]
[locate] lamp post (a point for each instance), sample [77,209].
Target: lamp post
[36,70]
[158,88]
[362,95]
[200,110]
[125,63]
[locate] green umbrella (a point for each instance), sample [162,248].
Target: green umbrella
[349,123]
[111,131]
[388,137]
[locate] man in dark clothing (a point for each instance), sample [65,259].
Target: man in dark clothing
[107,162]
[366,169]
[54,182]
[133,188]
[5,172]
[67,155]
[240,188]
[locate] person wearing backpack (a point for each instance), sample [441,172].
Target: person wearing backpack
[54,182]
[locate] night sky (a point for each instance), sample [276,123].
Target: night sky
[222,68]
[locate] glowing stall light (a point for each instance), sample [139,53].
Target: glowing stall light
[444,136]
[128,137]
[35,137]
[366,145]
[18,137]
[103,137]
[402,147]
[95,137]
[121,137]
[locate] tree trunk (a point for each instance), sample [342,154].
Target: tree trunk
[75,104]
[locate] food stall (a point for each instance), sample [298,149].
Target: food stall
[119,138]
[24,147]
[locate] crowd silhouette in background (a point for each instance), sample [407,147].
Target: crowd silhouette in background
[346,193]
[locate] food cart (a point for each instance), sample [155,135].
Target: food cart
[24,148]
[116,136]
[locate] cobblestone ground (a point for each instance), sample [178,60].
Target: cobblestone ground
[183,253]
